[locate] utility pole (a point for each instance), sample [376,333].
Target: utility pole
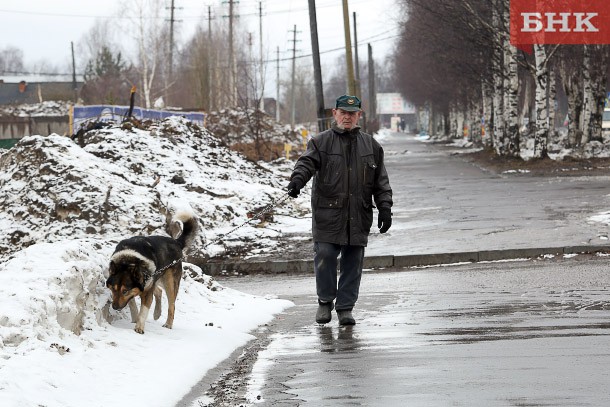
[356,60]
[292,87]
[315,48]
[372,116]
[262,71]
[210,63]
[74,87]
[232,73]
[351,85]
[277,87]
[251,61]
[171,39]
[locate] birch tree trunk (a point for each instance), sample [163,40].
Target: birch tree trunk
[452,125]
[568,64]
[541,127]
[601,89]
[574,93]
[432,120]
[552,100]
[150,36]
[497,136]
[486,132]
[459,122]
[598,63]
[511,89]
[474,120]
[587,93]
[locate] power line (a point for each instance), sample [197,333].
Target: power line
[50,14]
[241,62]
[338,49]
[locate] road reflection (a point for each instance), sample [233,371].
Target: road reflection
[338,339]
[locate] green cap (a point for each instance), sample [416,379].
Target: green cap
[348,103]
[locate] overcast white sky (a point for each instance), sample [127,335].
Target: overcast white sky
[43,29]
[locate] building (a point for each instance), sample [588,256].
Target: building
[30,89]
[392,108]
[34,90]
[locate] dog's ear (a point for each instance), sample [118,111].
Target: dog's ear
[112,267]
[111,280]
[138,274]
[111,274]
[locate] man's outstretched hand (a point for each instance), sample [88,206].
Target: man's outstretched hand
[384,221]
[294,189]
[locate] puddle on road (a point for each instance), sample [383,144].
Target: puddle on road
[341,339]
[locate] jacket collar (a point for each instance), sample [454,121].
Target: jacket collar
[352,132]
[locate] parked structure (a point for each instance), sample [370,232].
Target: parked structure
[31,90]
[36,89]
[392,108]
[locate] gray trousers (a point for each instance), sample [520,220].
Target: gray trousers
[325,266]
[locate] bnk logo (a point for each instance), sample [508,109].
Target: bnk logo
[559,22]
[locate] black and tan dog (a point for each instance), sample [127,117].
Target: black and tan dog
[137,268]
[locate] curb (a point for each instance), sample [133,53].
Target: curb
[384,262]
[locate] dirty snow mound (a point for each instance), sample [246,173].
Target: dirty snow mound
[120,183]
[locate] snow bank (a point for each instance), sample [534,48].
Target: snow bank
[58,348]
[120,183]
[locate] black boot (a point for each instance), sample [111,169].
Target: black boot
[324,314]
[345,317]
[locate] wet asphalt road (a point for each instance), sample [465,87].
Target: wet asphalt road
[444,204]
[531,333]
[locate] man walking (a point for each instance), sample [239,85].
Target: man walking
[349,175]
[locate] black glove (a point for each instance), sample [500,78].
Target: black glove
[384,221]
[294,188]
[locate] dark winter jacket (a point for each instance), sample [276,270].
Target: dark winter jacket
[348,174]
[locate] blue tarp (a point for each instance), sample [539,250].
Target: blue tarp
[110,113]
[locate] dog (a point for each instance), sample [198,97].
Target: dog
[139,267]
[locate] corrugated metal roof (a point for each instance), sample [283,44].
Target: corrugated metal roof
[38,78]
[36,92]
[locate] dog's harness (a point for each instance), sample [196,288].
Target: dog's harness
[255,216]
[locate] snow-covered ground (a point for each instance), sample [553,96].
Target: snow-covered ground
[47,108]
[58,349]
[64,208]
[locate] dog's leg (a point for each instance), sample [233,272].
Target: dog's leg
[147,298]
[172,284]
[158,297]
[133,309]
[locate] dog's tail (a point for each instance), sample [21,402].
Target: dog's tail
[183,227]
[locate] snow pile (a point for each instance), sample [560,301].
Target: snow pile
[48,108]
[65,206]
[236,126]
[124,182]
[58,348]
[557,147]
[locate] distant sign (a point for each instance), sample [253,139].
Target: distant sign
[109,113]
[393,103]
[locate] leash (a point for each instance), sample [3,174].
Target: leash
[257,215]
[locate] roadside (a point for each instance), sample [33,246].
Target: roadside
[487,160]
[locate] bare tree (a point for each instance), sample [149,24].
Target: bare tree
[147,25]
[11,60]
[449,49]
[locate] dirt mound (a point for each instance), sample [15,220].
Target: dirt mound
[252,132]
[488,160]
[122,182]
